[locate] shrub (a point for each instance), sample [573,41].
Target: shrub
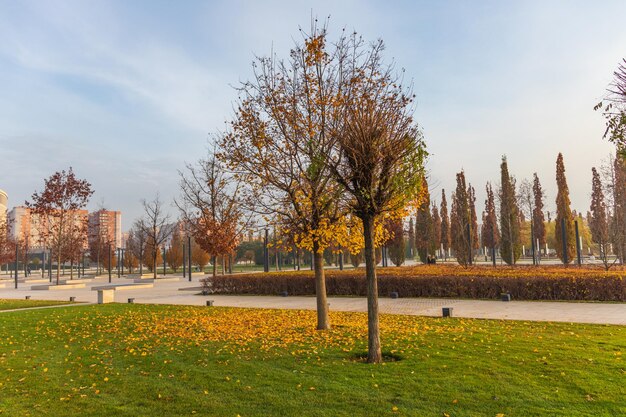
[523,283]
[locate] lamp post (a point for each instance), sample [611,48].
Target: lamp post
[189,256]
[16,260]
[266,253]
[110,261]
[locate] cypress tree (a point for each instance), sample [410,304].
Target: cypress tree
[564,216]
[618,222]
[436,228]
[510,239]
[538,217]
[471,200]
[597,217]
[396,244]
[411,243]
[489,232]
[445,224]
[424,226]
[460,219]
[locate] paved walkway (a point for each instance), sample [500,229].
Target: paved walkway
[186,293]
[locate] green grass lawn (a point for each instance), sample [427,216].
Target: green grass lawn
[8,304]
[140,360]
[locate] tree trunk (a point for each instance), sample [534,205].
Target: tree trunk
[154,264]
[58,267]
[214,266]
[323,323]
[72,269]
[374,354]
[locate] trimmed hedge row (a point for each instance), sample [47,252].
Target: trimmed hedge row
[352,283]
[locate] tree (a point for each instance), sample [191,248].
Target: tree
[109,250]
[174,254]
[411,242]
[156,227]
[436,236]
[136,243]
[58,206]
[614,110]
[538,218]
[598,221]
[510,238]
[396,244]
[471,200]
[130,260]
[564,216]
[200,257]
[152,256]
[424,241]
[445,224]
[212,207]
[7,246]
[280,142]
[618,222]
[379,156]
[489,232]
[461,222]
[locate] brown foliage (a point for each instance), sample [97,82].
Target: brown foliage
[523,283]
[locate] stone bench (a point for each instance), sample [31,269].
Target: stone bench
[54,287]
[77,281]
[106,296]
[154,281]
[123,287]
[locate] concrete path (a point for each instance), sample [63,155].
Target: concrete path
[186,293]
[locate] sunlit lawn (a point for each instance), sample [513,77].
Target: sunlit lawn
[8,304]
[139,360]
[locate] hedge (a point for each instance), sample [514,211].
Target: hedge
[477,283]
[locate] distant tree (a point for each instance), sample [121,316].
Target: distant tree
[174,254]
[199,256]
[136,243]
[436,236]
[156,227]
[7,246]
[510,244]
[445,224]
[564,215]
[614,109]
[598,218]
[248,256]
[356,259]
[489,232]
[460,222]
[130,261]
[424,241]
[538,218]
[109,266]
[411,242]
[397,243]
[58,205]
[212,206]
[618,221]
[471,200]
[152,256]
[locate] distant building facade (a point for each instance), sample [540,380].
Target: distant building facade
[29,227]
[106,225]
[4,200]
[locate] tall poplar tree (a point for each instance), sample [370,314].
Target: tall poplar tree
[424,226]
[598,219]
[618,221]
[510,240]
[538,217]
[411,242]
[436,228]
[445,224]
[489,232]
[471,200]
[564,216]
[460,222]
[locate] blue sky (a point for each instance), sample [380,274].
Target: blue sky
[126,92]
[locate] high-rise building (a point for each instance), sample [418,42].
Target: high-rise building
[107,226]
[4,199]
[26,226]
